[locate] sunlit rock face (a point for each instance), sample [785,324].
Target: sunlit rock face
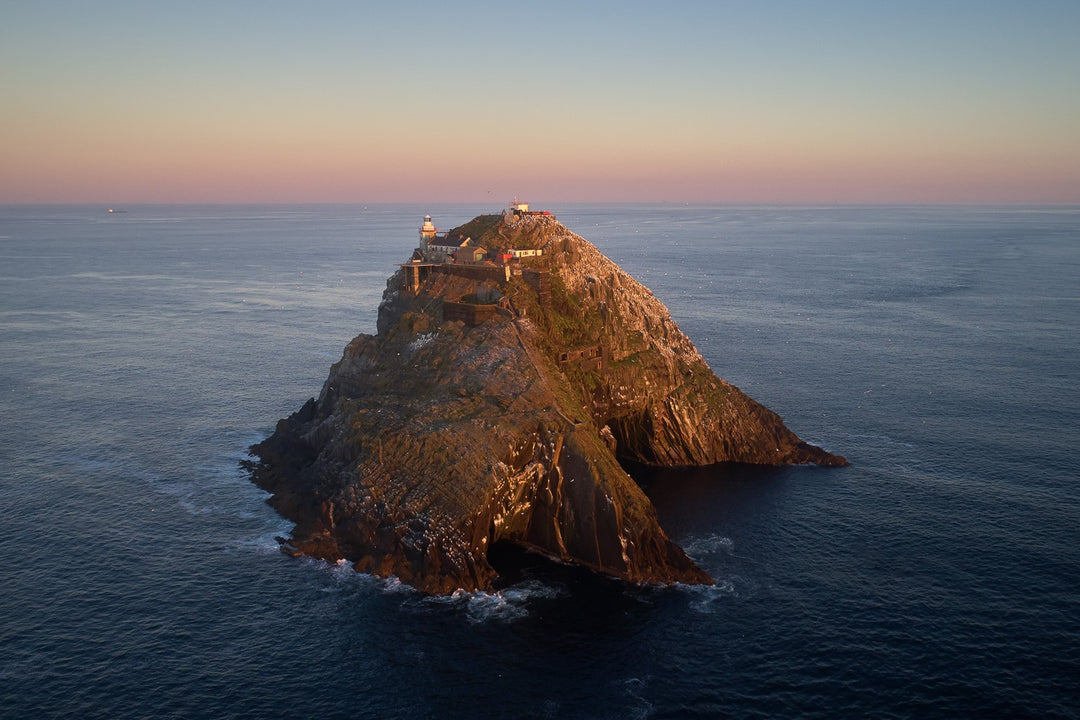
[493,406]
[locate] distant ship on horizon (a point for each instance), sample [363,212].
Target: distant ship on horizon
[114,211]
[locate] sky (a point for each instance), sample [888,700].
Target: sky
[874,101]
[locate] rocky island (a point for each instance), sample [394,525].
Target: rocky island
[514,366]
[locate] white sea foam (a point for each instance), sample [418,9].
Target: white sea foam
[342,571]
[264,544]
[708,546]
[708,599]
[501,606]
[393,585]
[495,607]
[343,577]
[510,603]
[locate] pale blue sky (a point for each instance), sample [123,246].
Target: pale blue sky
[335,101]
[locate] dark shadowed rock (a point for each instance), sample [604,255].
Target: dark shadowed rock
[493,406]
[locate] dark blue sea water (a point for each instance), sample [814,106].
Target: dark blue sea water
[939,576]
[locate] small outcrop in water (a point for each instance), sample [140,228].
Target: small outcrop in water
[493,407]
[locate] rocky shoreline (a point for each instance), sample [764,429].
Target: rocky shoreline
[493,406]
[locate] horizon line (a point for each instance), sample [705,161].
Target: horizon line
[679,203]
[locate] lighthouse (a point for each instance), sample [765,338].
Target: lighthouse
[427,233]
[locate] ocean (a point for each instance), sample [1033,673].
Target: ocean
[937,348]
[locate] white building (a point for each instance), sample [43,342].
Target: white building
[427,232]
[442,247]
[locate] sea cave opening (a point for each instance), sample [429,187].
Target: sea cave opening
[514,563]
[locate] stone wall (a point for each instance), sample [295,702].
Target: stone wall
[467,313]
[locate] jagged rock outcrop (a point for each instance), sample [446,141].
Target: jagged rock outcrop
[435,439]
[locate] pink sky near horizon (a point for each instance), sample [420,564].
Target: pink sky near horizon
[116,106]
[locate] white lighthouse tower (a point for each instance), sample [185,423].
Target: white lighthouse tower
[427,233]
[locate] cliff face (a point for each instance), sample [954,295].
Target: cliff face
[436,439]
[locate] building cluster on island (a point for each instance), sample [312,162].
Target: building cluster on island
[442,247]
[455,254]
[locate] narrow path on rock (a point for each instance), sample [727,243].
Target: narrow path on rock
[540,376]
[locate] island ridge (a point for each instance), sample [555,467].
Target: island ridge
[513,367]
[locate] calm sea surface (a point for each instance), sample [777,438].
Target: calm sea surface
[939,576]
